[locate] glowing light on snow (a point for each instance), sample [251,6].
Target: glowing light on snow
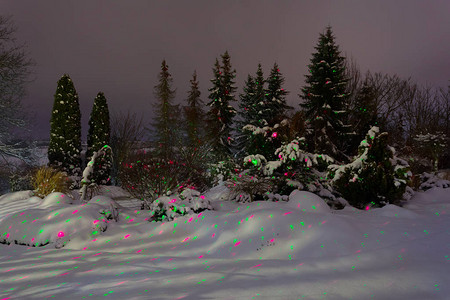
[60,234]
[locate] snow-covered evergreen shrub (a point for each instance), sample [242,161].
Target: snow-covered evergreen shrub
[223,170]
[188,202]
[296,168]
[48,180]
[375,177]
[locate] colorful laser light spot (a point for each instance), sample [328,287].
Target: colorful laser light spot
[60,234]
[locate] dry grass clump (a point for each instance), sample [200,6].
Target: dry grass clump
[48,180]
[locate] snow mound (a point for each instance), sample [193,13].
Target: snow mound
[394,211]
[55,199]
[56,221]
[15,196]
[307,202]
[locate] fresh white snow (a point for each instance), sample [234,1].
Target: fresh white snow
[299,249]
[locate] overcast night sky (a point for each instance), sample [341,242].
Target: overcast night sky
[117,46]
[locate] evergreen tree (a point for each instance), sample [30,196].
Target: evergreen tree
[325,98]
[98,136]
[276,97]
[165,118]
[261,108]
[194,114]
[64,151]
[363,114]
[221,113]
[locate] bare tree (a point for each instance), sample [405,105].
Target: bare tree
[127,129]
[14,75]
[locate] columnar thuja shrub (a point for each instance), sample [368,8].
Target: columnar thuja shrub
[375,177]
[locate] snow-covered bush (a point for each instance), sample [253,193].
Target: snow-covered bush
[88,181]
[244,188]
[223,170]
[375,177]
[48,180]
[148,178]
[429,181]
[188,202]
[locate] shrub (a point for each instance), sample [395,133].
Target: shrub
[375,177]
[147,178]
[245,187]
[48,180]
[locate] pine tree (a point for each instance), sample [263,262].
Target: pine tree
[64,151]
[325,98]
[166,113]
[276,97]
[194,114]
[221,113]
[98,137]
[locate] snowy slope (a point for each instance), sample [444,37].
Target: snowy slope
[262,250]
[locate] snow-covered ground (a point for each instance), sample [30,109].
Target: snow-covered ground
[298,249]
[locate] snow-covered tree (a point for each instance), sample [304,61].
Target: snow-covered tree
[99,136]
[194,115]
[64,151]
[325,98]
[165,121]
[275,97]
[375,177]
[221,113]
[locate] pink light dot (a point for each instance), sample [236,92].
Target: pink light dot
[190,220]
[60,234]
[288,213]
[94,240]
[203,197]
[127,236]
[367,207]
[139,251]
[274,134]
[199,215]
[74,212]
[173,200]
[213,235]
[200,256]
[33,239]
[271,241]
[96,221]
[237,244]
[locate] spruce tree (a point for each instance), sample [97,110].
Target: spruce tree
[64,151]
[325,98]
[194,114]
[276,97]
[98,136]
[261,108]
[221,113]
[166,113]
